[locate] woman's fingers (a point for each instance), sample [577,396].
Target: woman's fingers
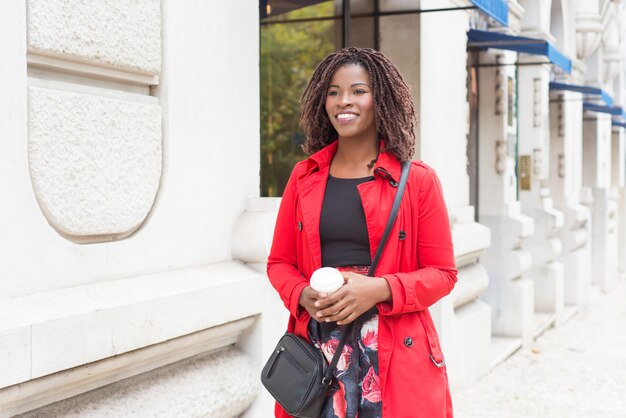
[345,316]
[348,319]
[340,310]
[349,276]
[341,316]
[312,294]
[346,276]
[330,300]
[331,311]
[346,304]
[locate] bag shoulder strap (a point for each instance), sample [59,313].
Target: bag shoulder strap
[406,167]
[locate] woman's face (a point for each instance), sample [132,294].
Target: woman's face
[350,103]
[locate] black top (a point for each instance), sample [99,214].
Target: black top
[343,231]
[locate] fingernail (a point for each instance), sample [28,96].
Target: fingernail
[317,304]
[318,314]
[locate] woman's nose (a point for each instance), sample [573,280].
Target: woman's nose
[345,99]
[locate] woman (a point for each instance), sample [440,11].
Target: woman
[358,118]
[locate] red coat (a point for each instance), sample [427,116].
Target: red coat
[419,267]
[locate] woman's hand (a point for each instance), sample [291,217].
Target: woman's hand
[354,298]
[308,297]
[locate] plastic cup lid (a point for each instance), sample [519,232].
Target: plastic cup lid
[326,279]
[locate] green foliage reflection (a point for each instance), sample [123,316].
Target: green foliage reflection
[289,53]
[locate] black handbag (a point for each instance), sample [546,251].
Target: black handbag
[297,374]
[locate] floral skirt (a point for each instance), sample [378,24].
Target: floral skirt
[357,393]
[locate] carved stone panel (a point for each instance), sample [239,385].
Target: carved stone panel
[95,162]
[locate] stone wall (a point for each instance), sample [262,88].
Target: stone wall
[124,167]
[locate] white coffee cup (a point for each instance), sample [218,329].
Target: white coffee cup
[326,280]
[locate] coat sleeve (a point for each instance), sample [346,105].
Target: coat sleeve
[436,274]
[282,264]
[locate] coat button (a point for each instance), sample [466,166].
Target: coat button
[408,341]
[402,235]
[299,225]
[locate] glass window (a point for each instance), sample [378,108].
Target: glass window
[295,37]
[291,45]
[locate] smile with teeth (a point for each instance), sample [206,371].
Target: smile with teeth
[346,116]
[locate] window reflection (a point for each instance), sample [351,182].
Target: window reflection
[289,53]
[296,36]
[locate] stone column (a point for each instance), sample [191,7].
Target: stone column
[603,66]
[565,178]
[545,246]
[252,241]
[462,319]
[596,178]
[510,292]
[618,174]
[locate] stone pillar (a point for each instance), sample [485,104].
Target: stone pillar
[462,319]
[510,291]
[618,174]
[597,180]
[533,166]
[565,178]
[252,241]
[589,27]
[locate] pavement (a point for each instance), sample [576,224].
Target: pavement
[577,369]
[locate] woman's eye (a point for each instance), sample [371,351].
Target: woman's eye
[360,91]
[332,93]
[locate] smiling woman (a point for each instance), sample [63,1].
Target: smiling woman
[358,120]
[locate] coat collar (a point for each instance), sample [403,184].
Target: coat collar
[386,163]
[312,185]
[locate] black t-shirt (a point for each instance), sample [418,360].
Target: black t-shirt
[343,231]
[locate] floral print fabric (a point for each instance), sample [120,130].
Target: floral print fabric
[357,392]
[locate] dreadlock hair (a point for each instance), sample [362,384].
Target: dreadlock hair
[394,112]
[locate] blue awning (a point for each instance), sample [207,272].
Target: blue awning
[497,9]
[611,110]
[593,91]
[484,39]
[619,123]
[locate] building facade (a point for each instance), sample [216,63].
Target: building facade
[146,144]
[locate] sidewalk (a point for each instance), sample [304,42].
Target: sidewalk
[575,370]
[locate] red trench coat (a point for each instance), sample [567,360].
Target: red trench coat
[420,269]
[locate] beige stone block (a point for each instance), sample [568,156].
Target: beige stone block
[123,34]
[14,355]
[95,162]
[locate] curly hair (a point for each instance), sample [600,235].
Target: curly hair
[394,112]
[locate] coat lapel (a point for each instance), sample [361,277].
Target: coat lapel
[311,189]
[377,197]
[311,197]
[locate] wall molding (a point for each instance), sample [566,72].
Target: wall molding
[98,71]
[36,393]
